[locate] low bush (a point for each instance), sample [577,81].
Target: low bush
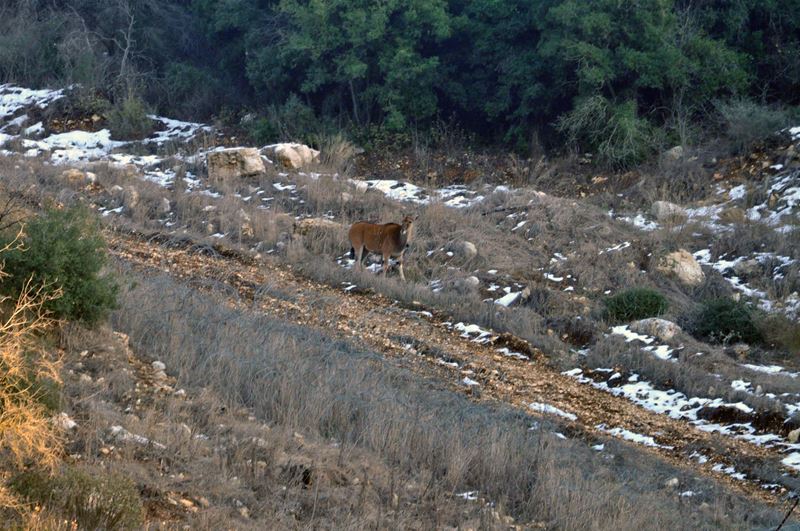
[781,332]
[63,250]
[93,498]
[615,132]
[726,321]
[635,303]
[746,122]
[128,119]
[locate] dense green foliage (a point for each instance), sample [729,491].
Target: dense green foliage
[635,303]
[63,249]
[726,321]
[617,79]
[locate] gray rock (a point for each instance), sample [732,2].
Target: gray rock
[463,249]
[664,210]
[656,327]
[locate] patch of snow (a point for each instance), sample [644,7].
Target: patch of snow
[469,382]
[547,409]
[509,353]
[508,299]
[637,438]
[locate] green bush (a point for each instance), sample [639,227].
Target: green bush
[94,498]
[128,119]
[63,249]
[747,122]
[726,321]
[617,135]
[263,131]
[635,303]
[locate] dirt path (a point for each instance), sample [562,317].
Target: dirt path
[420,341]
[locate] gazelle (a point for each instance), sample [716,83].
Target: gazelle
[388,239]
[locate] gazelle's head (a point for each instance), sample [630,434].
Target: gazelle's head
[407,230]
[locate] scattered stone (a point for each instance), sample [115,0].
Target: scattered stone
[674,153]
[472,281]
[85,379]
[119,433]
[346,197]
[164,207]
[63,421]
[73,176]
[361,186]
[91,177]
[682,265]
[654,326]
[227,164]
[747,268]
[793,436]
[672,483]
[158,365]
[664,211]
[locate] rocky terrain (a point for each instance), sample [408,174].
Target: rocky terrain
[504,306]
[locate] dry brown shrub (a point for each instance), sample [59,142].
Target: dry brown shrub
[26,431]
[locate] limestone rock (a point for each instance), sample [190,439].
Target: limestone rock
[464,249]
[234,163]
[656,327]
[682,265]
[294,156]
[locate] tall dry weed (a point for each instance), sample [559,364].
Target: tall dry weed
[26,432]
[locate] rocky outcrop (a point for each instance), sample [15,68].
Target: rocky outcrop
[293,156]
[656,327]
[234,163]
[682,265]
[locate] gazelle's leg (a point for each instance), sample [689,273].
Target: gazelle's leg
[400,266]
[386,258]
[359,255]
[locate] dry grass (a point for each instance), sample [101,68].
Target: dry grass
[299,379]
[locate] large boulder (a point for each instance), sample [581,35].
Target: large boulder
[682,265]
[660,328]
[464,249]
[664,210]
[233,163]
[293,156]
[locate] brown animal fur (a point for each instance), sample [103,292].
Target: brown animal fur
[388,239]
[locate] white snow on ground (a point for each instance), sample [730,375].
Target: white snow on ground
[638,221]
[81,146]
[508,299]
[13,99]
[770,369]
[174,130]
[547,409]
[473,332]
[678,406]
[505,351]
[454,196]
[629,335]
[618,247]
[660,351]
[469,382]
[731,471]
[726,267]
[628,435]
